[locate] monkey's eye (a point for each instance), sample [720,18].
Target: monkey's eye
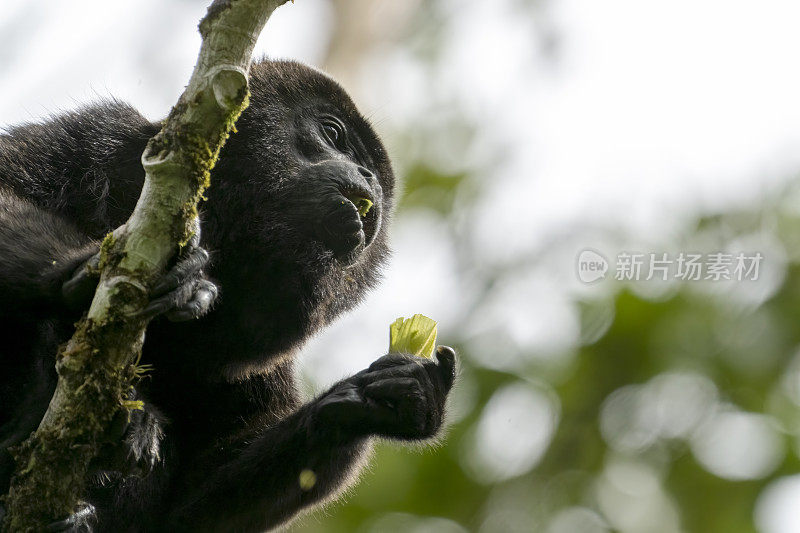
[333,131]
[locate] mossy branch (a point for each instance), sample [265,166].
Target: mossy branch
[97,367]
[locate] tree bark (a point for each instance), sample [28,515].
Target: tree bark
[98,365]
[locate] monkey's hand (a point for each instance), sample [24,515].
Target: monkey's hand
[398,396]
[77,291]
[183,293]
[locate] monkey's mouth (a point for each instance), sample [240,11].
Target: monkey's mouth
[368,211]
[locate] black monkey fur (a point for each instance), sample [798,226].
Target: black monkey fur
[224,435]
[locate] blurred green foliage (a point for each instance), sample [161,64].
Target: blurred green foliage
[649,375]
[426,188]
[744,351]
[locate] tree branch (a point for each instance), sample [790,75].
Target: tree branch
[97,366]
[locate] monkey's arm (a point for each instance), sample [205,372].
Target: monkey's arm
[265,477]
[39,251]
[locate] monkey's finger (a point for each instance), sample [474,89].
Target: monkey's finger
[446,364]
[186,268]
[91,265]
[76,521]
[393,390]
[390,360]
[173,300]
[79,289]
[86,269]
[400,407]
[71,285]
[204,297]
[411,369]
[76,284]
[194,241]
[343,405]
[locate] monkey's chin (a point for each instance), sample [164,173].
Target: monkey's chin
[345,246]
[350,257]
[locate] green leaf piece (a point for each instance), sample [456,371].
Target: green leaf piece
[415,335]
[363,205]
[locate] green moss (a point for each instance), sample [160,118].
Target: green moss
[93,394]
[201,158]
[132,405]
[140,371]
[106,249]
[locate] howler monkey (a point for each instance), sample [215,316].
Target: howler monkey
[223,437]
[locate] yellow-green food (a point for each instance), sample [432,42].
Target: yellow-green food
[363,205]
[415,335]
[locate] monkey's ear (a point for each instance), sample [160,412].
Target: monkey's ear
[446,362]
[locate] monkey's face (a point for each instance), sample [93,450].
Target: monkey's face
[305,180]
[335,197]
[298,209]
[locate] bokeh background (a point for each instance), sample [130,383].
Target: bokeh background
[525,132]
